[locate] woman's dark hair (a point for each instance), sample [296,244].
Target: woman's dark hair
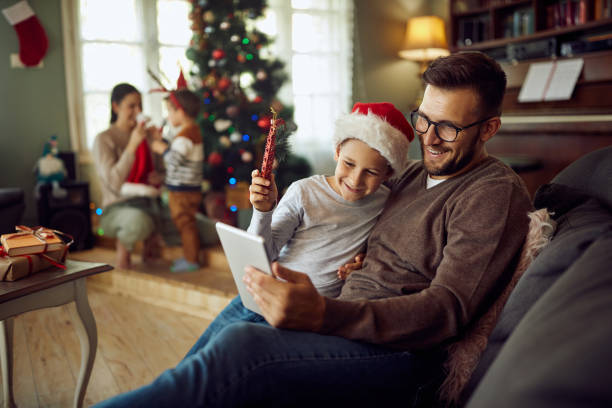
[470,69]
[119,92]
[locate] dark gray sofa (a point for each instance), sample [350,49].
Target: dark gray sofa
[552,346]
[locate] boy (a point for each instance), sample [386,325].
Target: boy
[184,165]
[322,221]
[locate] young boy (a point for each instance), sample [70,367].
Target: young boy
[184,165]
[323,221]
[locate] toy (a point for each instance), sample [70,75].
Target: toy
[50,169]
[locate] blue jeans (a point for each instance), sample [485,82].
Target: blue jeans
[240,360]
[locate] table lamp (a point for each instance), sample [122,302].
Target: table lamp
[425,40]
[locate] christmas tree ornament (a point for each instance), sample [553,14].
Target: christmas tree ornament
[224,25]
[212,63]
[215,159]
[241,58]
[257,99]
[218,54]
[225,141]
[221,125]
[261,75]
[209,17]
[232,111]
[235,38]
[264,122]
[246,157]
[209,30]
[33,41]
[236,137]
[223,84]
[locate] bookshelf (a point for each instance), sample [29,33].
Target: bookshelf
[518,33]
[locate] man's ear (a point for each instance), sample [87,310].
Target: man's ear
[490,128]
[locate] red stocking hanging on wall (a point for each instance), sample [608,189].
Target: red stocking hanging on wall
[33,42]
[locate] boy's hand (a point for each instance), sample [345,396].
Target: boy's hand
[159,146]
[345,270]
[262,192]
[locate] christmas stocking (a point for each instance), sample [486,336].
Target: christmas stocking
[33,42]
[137,183]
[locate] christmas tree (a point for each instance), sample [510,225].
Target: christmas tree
[238,86]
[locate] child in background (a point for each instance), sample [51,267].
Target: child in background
[184,158]
[323,221]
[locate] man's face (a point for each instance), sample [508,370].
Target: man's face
[458,107]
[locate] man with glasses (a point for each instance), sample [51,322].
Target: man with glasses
[442,250]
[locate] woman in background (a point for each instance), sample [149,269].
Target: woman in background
[128,215]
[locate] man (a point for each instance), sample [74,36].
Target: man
[439,254]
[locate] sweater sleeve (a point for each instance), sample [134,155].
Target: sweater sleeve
[278,226]
[485,230]
[112,169]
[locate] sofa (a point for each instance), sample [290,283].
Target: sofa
[12,206]
[552,344]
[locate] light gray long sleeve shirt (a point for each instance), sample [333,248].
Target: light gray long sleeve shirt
[315,231]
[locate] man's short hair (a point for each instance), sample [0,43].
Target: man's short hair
[470,69]
[189,101]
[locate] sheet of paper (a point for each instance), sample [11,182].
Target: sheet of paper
[564,77]
[534,86]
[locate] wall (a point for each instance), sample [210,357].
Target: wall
[379,74]
[32,103]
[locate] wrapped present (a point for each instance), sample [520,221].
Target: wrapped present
[17,267]
[27,241]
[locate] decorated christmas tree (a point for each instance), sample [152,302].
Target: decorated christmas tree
[239,89]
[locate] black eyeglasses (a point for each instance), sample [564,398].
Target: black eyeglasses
[445,131]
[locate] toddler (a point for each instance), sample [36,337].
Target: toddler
[184,158]
[323,221]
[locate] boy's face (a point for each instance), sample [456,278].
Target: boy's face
[174,114]
[359,170]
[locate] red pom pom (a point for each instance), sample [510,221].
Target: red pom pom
[215,159]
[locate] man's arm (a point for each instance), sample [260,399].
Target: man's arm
[477,254]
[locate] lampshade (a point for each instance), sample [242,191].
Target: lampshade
[425,39]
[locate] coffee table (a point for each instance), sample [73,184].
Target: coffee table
[50,288]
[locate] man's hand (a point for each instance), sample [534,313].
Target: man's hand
[290,303]
[345,270]
[262,192]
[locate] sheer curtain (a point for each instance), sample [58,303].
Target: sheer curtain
[314,38]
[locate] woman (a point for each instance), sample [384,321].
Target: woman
[126,217]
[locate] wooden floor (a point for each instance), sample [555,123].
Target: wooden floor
[147,319]
[136,342]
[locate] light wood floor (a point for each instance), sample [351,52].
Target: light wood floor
[136,342]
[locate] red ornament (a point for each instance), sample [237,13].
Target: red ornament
[218,54]
[215,159]
[223,84]
[257,99]
[241,58]
[264,122]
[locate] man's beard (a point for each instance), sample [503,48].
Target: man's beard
[452,166]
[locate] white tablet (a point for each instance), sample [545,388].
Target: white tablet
[241,250]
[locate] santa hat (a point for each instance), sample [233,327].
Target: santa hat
[137,182]
[382,127]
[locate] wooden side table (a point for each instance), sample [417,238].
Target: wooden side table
[47,289]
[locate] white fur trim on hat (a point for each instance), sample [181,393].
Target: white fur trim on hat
[377,133]
[138,190]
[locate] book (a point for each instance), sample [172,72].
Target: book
[31,242]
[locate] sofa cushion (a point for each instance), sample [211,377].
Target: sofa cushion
[559,355]
[592,173]
[576,230]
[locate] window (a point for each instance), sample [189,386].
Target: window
[104,47]
[314,38]
[107,47]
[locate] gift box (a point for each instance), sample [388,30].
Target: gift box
[17,267]
[28,241]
